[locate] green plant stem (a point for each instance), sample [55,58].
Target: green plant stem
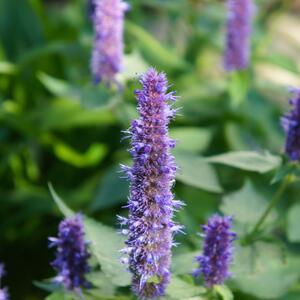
[284,184]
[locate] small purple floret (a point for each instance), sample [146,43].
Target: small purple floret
[291,125]
[71,261]
[108,20]
[239,23]
[217,254]
[151,202]
[4,295]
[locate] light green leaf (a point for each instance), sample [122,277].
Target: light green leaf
[94,154]
[7,68]
[238,87]
[184,263]
[63,114]
[192,139]
[56,86]
[247,160]
[61,296]
[89,96]
[293,229]
[195,171]
[134,65]
[154,50]
[224,292]
[246,206]
[105,245]
[263,271]
[180,289]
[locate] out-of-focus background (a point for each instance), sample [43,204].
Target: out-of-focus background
[56,126]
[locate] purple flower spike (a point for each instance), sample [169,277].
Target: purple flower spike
[151,204]
[71,261]
[217,250]
[108,20]
[3,291]
[239,23]
[291,125]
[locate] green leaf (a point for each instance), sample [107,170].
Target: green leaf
[61,296]
[180,289]
[293,217]
[158,54]
[7,68]
[263,271]
[247,160]
[246,206]
[191,139]
[195,171]
[94,154]
[224,292]
[105,245]
[64,114]
[238,87]
[184,263]
[66,211]
[89,96]
[56,86]
[103,285]
[112,190]
[134,64]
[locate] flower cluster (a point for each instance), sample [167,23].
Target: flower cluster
[237,50]
[108,20]
[291,125]
[217,250]
[3,291]
[71,260]
[151,204]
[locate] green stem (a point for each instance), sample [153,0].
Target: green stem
[284,184]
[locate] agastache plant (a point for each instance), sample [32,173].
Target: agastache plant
[291,125]
[214,262]
[3,290]
[108,21]
[151,202]
[71,261]
[237,45]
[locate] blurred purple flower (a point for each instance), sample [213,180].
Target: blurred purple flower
[108,20]
[239,23]
[151,204]
[4,295]
[291,124]
[217,253]
[71,260]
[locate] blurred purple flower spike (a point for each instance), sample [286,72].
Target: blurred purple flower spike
[217,254]
[108,20]
[238,36]
[71,261]
[291,125]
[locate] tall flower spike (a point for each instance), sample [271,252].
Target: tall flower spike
[151,205]
[3,290]
[71,261]
[239,23]
[217,250]
[291,124]
[108,20]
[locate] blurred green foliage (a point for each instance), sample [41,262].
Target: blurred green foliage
[57,127]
